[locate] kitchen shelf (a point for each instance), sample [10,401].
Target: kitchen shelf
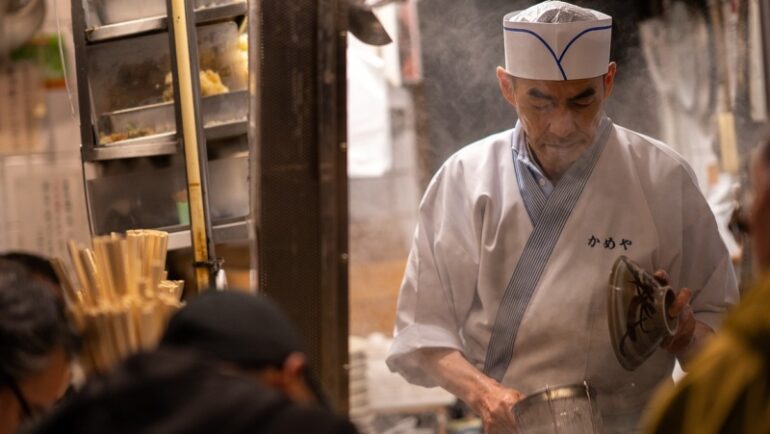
[151,146]
[159,144]
[111,32]
[223,233]
[124,57]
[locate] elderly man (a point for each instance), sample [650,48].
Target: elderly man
[726,390]
[505,290]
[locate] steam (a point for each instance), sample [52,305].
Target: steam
[462,46]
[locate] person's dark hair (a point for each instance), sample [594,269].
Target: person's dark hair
[35,264]
[33,323]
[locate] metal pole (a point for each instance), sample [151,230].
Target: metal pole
[764,8]
[255,135]
[184,56]
[87,134]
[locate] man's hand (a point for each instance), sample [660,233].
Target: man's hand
[495,409]
[680,309]
[491,401]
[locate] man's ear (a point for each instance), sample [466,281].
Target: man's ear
[295,365]
[506,85]
[609,79]
[294,382]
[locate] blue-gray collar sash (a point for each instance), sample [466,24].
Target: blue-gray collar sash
[549,216]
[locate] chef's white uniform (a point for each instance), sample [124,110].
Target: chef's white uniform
[478,236]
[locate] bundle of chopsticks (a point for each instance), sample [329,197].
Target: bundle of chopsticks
[121,299]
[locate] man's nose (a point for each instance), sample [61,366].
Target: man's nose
[562,123]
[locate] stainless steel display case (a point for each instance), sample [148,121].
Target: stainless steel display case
[133,163]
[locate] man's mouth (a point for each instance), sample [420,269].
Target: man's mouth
[563,144]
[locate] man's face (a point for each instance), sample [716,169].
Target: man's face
[558,116]
[289,379]
[760,214]
[40,392]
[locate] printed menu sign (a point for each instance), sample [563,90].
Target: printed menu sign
[22,106]
[46,207]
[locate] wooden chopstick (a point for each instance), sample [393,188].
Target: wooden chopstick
[123,297]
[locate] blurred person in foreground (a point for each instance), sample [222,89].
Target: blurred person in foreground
[228,363]
[39,267]
[727,389]
[36,346]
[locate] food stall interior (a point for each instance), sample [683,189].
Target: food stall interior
[126,92]
[321,219]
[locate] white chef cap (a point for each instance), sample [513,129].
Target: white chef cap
[555,40]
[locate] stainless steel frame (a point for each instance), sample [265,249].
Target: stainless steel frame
[765,10]
[133,28]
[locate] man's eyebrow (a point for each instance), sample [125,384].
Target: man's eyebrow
[584,94]
[535,93]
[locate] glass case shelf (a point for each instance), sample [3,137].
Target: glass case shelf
[157,197]
[111,19]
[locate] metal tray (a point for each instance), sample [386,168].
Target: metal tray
[102,33]
[159,119]
[132,73]
[119,11]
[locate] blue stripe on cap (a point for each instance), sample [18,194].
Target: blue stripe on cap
[550,50]
[592,29]
[558,59]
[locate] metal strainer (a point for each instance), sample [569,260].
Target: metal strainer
[559,410]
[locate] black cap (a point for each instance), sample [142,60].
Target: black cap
[246,330]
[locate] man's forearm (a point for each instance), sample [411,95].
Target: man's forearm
[452,371]
[488,399]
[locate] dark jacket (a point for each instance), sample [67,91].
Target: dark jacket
[169,392]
